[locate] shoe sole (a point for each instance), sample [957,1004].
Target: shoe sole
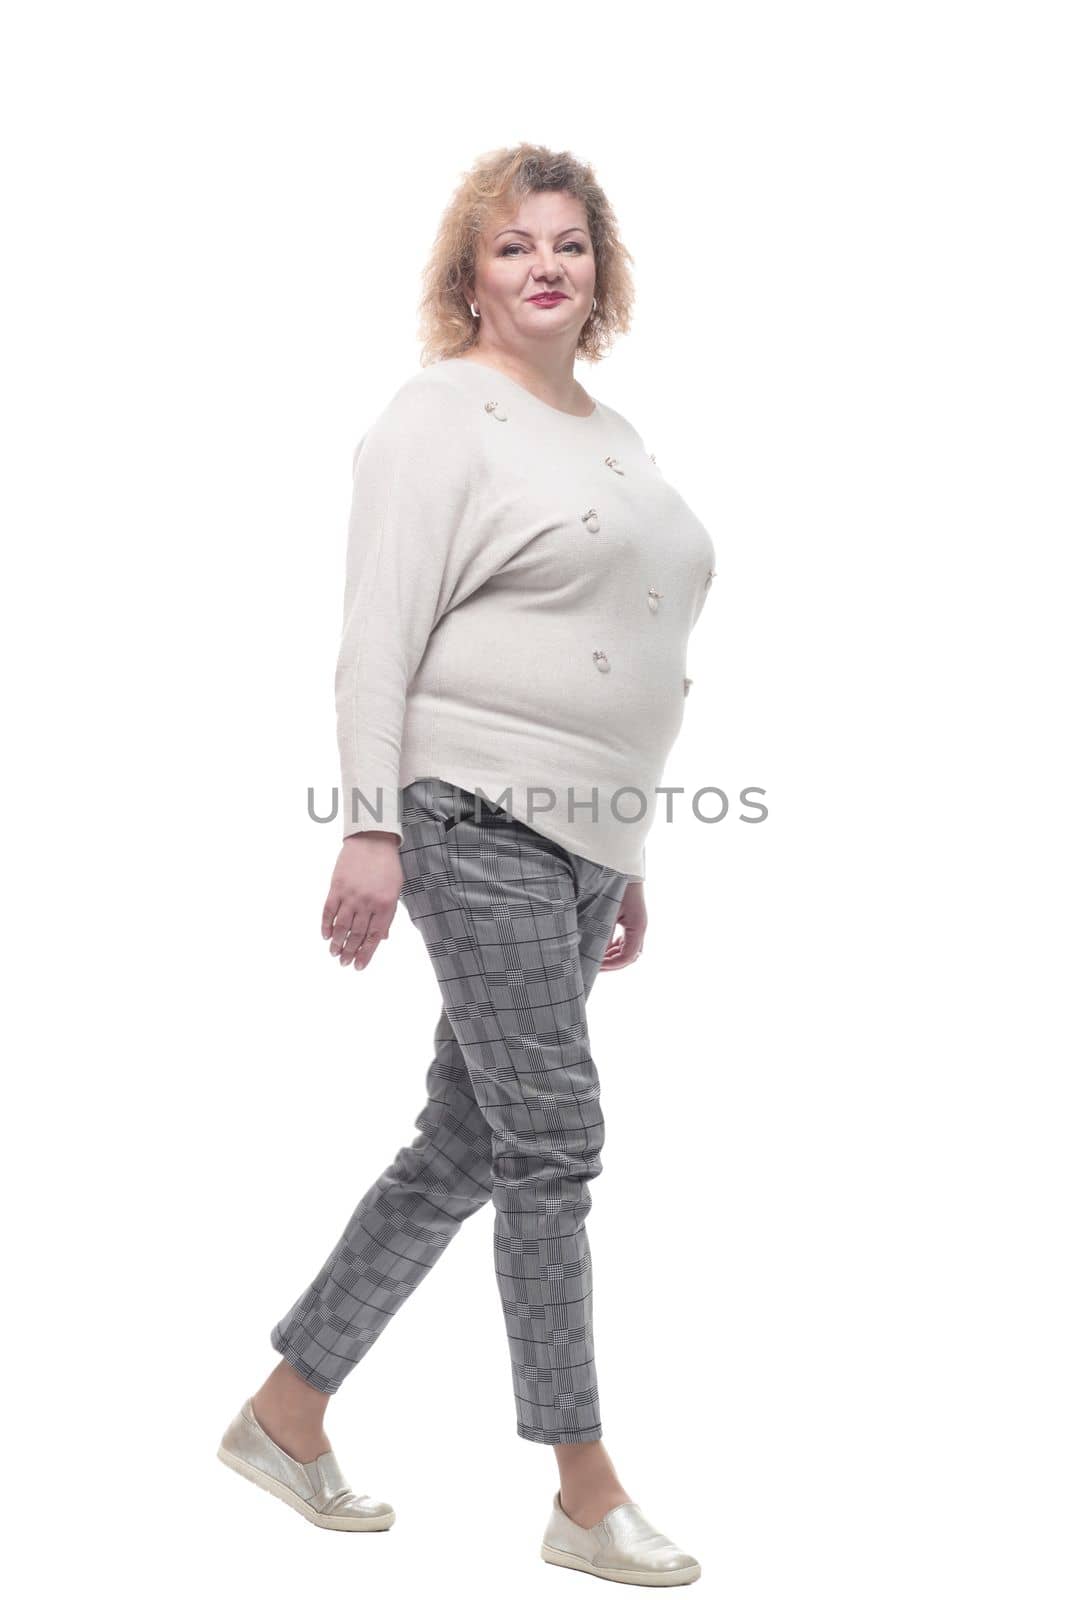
[291,1498]
[655,1580]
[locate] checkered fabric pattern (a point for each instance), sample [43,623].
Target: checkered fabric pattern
[515,926]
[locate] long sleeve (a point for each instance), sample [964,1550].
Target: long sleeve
[411,553]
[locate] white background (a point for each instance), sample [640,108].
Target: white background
[828,1238]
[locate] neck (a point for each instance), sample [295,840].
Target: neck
[547,373]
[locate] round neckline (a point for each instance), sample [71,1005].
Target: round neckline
[495,372]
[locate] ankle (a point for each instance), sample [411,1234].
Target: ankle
[587,1504]
[291,1412]
[303,1438]
[286,1394]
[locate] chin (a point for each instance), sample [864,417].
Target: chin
[535,316]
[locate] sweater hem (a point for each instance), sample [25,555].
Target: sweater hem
[493,786]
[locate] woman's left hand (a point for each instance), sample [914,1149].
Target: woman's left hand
[632,918]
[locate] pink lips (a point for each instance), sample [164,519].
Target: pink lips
[546,299]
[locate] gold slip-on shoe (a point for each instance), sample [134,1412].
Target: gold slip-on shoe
[622,1546]
[317,1489]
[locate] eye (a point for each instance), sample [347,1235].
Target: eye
[571,244]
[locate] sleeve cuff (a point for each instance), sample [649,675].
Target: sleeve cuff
[371,807]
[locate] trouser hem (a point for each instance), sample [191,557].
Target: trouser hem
[559,1435]
[307,1372]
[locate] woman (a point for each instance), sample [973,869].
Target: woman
[520,587]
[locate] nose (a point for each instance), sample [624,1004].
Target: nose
[547,266]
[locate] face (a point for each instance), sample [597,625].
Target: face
[541,250]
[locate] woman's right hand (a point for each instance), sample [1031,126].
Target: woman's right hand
[364,890]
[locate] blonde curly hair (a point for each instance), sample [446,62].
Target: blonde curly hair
[497,182]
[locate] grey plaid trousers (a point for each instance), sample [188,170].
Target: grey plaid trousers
[515,926]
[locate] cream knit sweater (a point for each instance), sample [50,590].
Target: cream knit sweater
[521,585]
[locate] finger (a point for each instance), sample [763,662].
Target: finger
[347,919]
[329,911]
[357,932]
[622,952]
[365,954]
[383,913]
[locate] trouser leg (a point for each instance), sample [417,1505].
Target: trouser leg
[515,927]
[397,1231]
[533,1153]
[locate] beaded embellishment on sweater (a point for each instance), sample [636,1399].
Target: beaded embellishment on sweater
[591,521]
